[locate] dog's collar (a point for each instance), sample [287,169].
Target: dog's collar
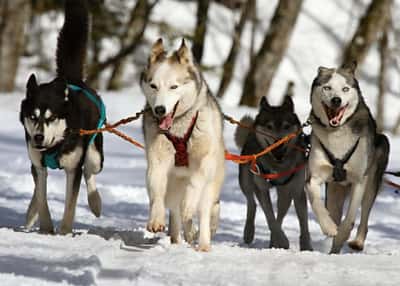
[50,157]
[339,173]
[180,144]
[276,178]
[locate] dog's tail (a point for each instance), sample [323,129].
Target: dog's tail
[242,133]
[72,41]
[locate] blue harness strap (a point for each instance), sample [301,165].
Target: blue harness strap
[51,160]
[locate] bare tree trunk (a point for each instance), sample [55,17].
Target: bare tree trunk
[140,18]
[368,31]
[13,17]
[254,23]
[230,62]
[384,56]
[266,62]
[201,29]
[133,31]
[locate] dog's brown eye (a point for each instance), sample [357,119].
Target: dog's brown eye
[327,88]
[346,89]
[270,127]
[286,126]
[153,86]
[173,86]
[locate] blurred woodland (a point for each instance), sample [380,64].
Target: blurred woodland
[125,21]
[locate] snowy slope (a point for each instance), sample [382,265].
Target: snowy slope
[116,250]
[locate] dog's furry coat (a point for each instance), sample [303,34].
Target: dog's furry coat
[175,92]
[52,113]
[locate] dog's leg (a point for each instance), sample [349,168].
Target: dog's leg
[195,188]
[174,226]
[300,205]
[214,218]
[346,226]
[366,206]
[74,177]
[284,201]
[46,226]
[374,179]
[205,228]
[247,186]
[278,238]
[313,188]
[157,180]
[335,198]
[208,214]
[92,166]
[33,212]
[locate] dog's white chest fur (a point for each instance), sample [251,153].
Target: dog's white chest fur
[339,142]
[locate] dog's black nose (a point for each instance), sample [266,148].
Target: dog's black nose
[38,138]
[160,110]
[336,102]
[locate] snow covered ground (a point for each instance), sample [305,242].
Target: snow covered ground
[115,249]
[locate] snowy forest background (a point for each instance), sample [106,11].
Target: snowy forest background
[246,49]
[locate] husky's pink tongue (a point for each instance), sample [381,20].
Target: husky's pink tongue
[166,122]
[335,121]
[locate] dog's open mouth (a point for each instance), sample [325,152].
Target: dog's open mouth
[165,122]
[334,115]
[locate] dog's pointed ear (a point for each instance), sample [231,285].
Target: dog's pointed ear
[350,67]
[32,83]
[157,51]
[288,103]
[324,70]
[264,104]
[184,54]
[288,100]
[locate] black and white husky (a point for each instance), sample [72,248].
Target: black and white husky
[52,114]
[347,154]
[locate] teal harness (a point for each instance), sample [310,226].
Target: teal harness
[51,159]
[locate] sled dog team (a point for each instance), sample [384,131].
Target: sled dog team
[183,131]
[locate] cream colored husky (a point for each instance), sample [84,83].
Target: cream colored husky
[184,146]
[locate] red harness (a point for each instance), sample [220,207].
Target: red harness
[180,144]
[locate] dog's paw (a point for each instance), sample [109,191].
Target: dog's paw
[248,233]
[356,245]
[279,240]
[187,214]
[328,227]
[94,201]
[156,226]
[176,239]
[305,243]
[46,228]
[204,248]
[64,229]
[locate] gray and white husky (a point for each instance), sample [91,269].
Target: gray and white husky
[273,123]
[184,146]
[347,154]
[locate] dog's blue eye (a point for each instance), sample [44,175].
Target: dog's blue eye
[346,89]
[174,86]
[327,88]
